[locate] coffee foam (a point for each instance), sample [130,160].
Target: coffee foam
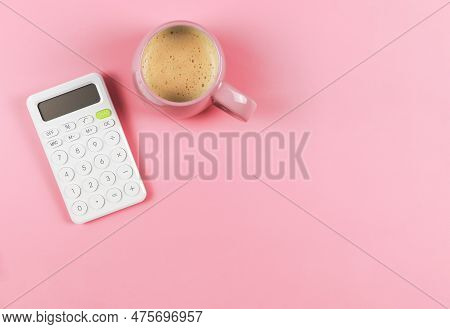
[180,63]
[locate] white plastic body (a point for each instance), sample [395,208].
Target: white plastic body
[43,126]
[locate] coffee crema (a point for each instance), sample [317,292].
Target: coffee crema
[180,63]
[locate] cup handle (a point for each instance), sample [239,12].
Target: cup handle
[232,101]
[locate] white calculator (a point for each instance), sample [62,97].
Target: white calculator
[86,147]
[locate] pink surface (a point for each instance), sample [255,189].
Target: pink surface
[378,156]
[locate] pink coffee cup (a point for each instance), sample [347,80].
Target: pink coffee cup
[220,93]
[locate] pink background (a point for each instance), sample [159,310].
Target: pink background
[379,159]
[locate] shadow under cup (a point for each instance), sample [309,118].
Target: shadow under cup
[180,68]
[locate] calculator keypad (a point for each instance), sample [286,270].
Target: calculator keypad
[131,188]
[89,130]
[73,191]
[79,208]
[107,178]
[114,195]
[118,155]
[125,172]
[112,137]
[84,168]
[90,184]
[101,161]
[68,126]
[108,123]
[77,151]
[51,133]
[54,143]
[86,120]
[71,137]
[96,201]
[59,157]
[95,144]
[66,174]
[92,163]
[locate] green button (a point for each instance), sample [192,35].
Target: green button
[103,114]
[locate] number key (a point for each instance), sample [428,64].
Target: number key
[79,208]
[107,178]
[73,191]
[59,157]
[101,161]
[95,144]
[90,184]
[84,168]
[66,174]
[77,151]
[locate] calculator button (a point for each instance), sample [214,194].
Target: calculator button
[113,195]
[59,157]
[95,144]
[124,172]
[112,137]
[108,123]
[84,168]
[71,137]
[107,178]
[55,143]
[79,208]
[51,133]
[90,185]
[89,130]
[86,120]
[73,191]
[77,151]
[118,155]
[131,188]
[103,114]
[96,201]
[68,126]
[101,161]
[66,174]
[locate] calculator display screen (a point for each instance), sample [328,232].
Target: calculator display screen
[69,102]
